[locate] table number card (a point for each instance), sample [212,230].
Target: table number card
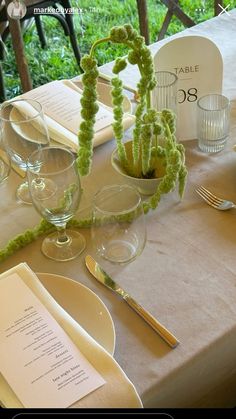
[37,358]
[198,64]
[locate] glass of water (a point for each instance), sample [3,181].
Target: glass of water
[118,230]
[23,130]
[164,96]
[213,117]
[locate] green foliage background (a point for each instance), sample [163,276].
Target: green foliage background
[95,19]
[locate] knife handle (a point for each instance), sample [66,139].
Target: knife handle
[154,323]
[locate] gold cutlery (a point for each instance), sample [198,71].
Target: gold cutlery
[96,270]
[213,200]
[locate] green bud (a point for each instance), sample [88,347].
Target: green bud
[118,34]
[157,129]
[131,32]
[139,41]
[120,65]
[133,57]
[88,63]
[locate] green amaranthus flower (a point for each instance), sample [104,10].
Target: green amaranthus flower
[153,133]
[150,124]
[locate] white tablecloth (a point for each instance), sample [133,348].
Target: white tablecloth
[186,275]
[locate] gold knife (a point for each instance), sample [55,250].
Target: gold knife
[96,270]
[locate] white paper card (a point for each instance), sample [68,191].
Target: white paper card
[62,104]
[130,76]
[198,64]
[37,358]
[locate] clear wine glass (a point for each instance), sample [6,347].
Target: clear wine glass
[55,189]
[23,130]
[5,164]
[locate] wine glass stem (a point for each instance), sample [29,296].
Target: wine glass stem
[62,237]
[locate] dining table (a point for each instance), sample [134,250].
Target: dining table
[185,276]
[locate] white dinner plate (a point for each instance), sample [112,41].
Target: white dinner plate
[31,132]
[84,306]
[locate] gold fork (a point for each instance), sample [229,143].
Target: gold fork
[213,200]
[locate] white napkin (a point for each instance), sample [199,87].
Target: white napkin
[118,392]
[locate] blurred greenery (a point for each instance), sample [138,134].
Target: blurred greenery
[94,20]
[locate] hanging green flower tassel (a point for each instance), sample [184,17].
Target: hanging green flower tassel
[88,112]
[117,101]
[153,134]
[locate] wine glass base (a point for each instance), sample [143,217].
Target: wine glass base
[23,194]
[63,252]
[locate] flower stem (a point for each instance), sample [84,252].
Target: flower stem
[148,99]
[99,41]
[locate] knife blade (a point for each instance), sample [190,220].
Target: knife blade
[96,270]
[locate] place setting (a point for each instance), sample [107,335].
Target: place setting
[65,365]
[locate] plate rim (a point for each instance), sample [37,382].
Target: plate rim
[50,274]
[14,126]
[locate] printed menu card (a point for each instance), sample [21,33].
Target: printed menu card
[37,358]
[62,103]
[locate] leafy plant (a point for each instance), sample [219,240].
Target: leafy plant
[150,124]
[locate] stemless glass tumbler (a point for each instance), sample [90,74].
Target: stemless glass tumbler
[118,230]
[55,190]
[213,116]
[23,131]
[164,96]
